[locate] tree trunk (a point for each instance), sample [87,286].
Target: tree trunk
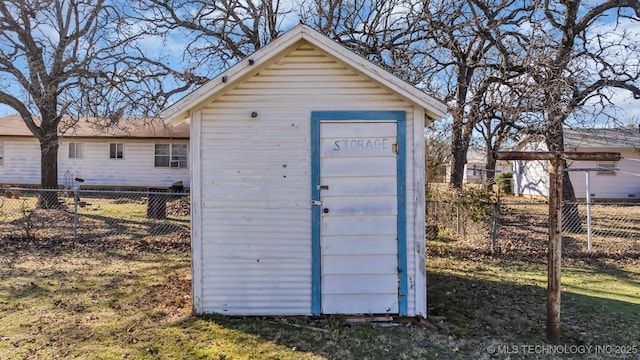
[458,161]
[49,171]
[490,166]
[461,131]
[571,221]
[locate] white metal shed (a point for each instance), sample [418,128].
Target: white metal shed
[307,184]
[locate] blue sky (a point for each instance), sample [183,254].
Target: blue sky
[628,112]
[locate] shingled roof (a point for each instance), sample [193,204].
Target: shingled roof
[602,138]
[149,128]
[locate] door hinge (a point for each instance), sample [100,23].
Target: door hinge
[394,148]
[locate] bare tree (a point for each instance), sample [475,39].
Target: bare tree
[217,34]
[65,59]
[495,132]
[437,152]
[446,48]
[458,51]
[576,52]
[469,37]
[388,33]
[503,114]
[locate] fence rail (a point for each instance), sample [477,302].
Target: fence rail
[85,216]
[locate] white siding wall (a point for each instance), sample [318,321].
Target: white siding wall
[22,164]
[416,243]
[532,177]
[256,183]
[618,186]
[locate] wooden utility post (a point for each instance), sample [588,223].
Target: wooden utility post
[556,172]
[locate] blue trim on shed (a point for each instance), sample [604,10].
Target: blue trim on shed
[316,256]
[316,260]
[402,217]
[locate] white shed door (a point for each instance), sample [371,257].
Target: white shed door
[359,217]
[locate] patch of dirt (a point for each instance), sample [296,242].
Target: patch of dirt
[52,231]
[174,242]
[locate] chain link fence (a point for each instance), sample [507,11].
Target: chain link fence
[599,229]
[159,217]
[454,216]
[595,229]
[156,217]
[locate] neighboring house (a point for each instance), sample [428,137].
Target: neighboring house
[475,171]
[134,154]
[308,184]
[532,177]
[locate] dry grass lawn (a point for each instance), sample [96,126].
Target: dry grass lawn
[116,297]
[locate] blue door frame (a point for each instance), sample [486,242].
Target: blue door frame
[316,270]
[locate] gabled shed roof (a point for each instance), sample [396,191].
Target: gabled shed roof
[180,111]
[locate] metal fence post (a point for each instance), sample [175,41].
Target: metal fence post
[494,230]
[589,232]
[75,214]
[458,217]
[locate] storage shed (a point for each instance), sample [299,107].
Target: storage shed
[307,184]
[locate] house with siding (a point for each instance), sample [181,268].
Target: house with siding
[134,153]
[307,182]
[475,171]
[608,180]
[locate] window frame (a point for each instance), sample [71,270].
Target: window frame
[606,165]
[113,155]
[173,161]
[75,146]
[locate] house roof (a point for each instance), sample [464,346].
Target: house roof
[14,126]
[179,111]
[602,138]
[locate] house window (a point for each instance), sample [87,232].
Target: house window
[606,168]
[171,155]
[116,151]
[75,150]
[1,153]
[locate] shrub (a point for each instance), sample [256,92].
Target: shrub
[505,182]
[477,202]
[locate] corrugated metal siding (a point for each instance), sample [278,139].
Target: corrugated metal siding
[256,181]
[412,235]
[417,269]
[22,164]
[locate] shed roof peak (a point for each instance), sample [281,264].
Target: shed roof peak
[180,110]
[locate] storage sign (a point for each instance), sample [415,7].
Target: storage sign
[357,146]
